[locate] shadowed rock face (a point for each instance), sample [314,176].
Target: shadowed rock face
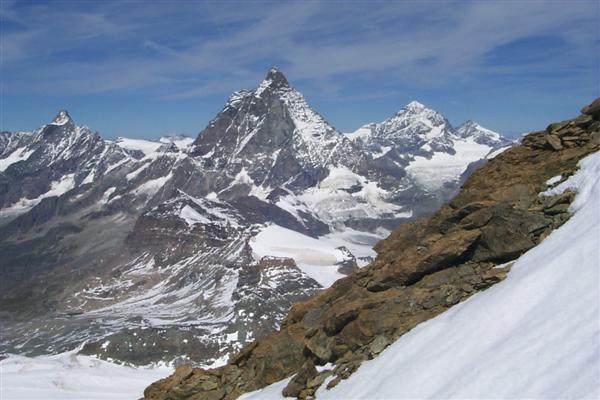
[422,269]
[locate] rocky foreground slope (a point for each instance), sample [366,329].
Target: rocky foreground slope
[422,269]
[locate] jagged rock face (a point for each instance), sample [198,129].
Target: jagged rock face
[185,283]
[410,129]
[274,135]
[58,157]
[123,250]
[480,134]
[421,270]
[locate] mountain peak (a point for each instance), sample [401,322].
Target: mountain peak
[61,118]
[274,80]
[415,106]
[275,75]
[480,134]
[471,124]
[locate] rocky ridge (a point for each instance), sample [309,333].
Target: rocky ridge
[421,270]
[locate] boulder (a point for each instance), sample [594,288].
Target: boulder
[592,109]
[554,142]
[300,380]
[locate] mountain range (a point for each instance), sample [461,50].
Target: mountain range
[145,251]
[498,285]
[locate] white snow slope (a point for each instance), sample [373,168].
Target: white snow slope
[443,167]
[71,376]
[535,335]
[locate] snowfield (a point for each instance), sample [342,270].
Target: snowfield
[57,188]
[20,154]
[72,376]
[317,258]
[443,167]
[149,147]
[535,335]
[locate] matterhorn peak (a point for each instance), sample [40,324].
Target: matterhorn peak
[274,80]
[61,118]
[277,77]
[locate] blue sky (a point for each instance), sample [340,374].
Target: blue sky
[144,69]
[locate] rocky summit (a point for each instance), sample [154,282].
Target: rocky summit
[422,269]
[186,249]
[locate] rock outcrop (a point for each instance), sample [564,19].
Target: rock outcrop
[422,269]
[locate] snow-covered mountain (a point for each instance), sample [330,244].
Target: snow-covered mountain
[431,150]
[415,127]
[50,161]
[276,137]
[199,247]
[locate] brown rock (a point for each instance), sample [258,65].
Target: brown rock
[334,382]
[556,126]
[300,380]
[592,109]
[378,345]
[217,394]
[565,197]
[595,137]
[318,380]
[557,209]
[554,142]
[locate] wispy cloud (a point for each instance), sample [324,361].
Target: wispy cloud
[190,49]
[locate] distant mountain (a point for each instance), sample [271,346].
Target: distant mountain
[152,250]
[423,142]
[50,161]
[274,135]
[413,128]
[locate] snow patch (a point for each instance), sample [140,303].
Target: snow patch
[443,167]
[152,186]
[317,258]
[192,216]
[494,153]
[145,146]
[57,188]
[61,119]
[182,142]
[554,180]
[107,194]
[20,154]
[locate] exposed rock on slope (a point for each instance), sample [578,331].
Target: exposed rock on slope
[422,269]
